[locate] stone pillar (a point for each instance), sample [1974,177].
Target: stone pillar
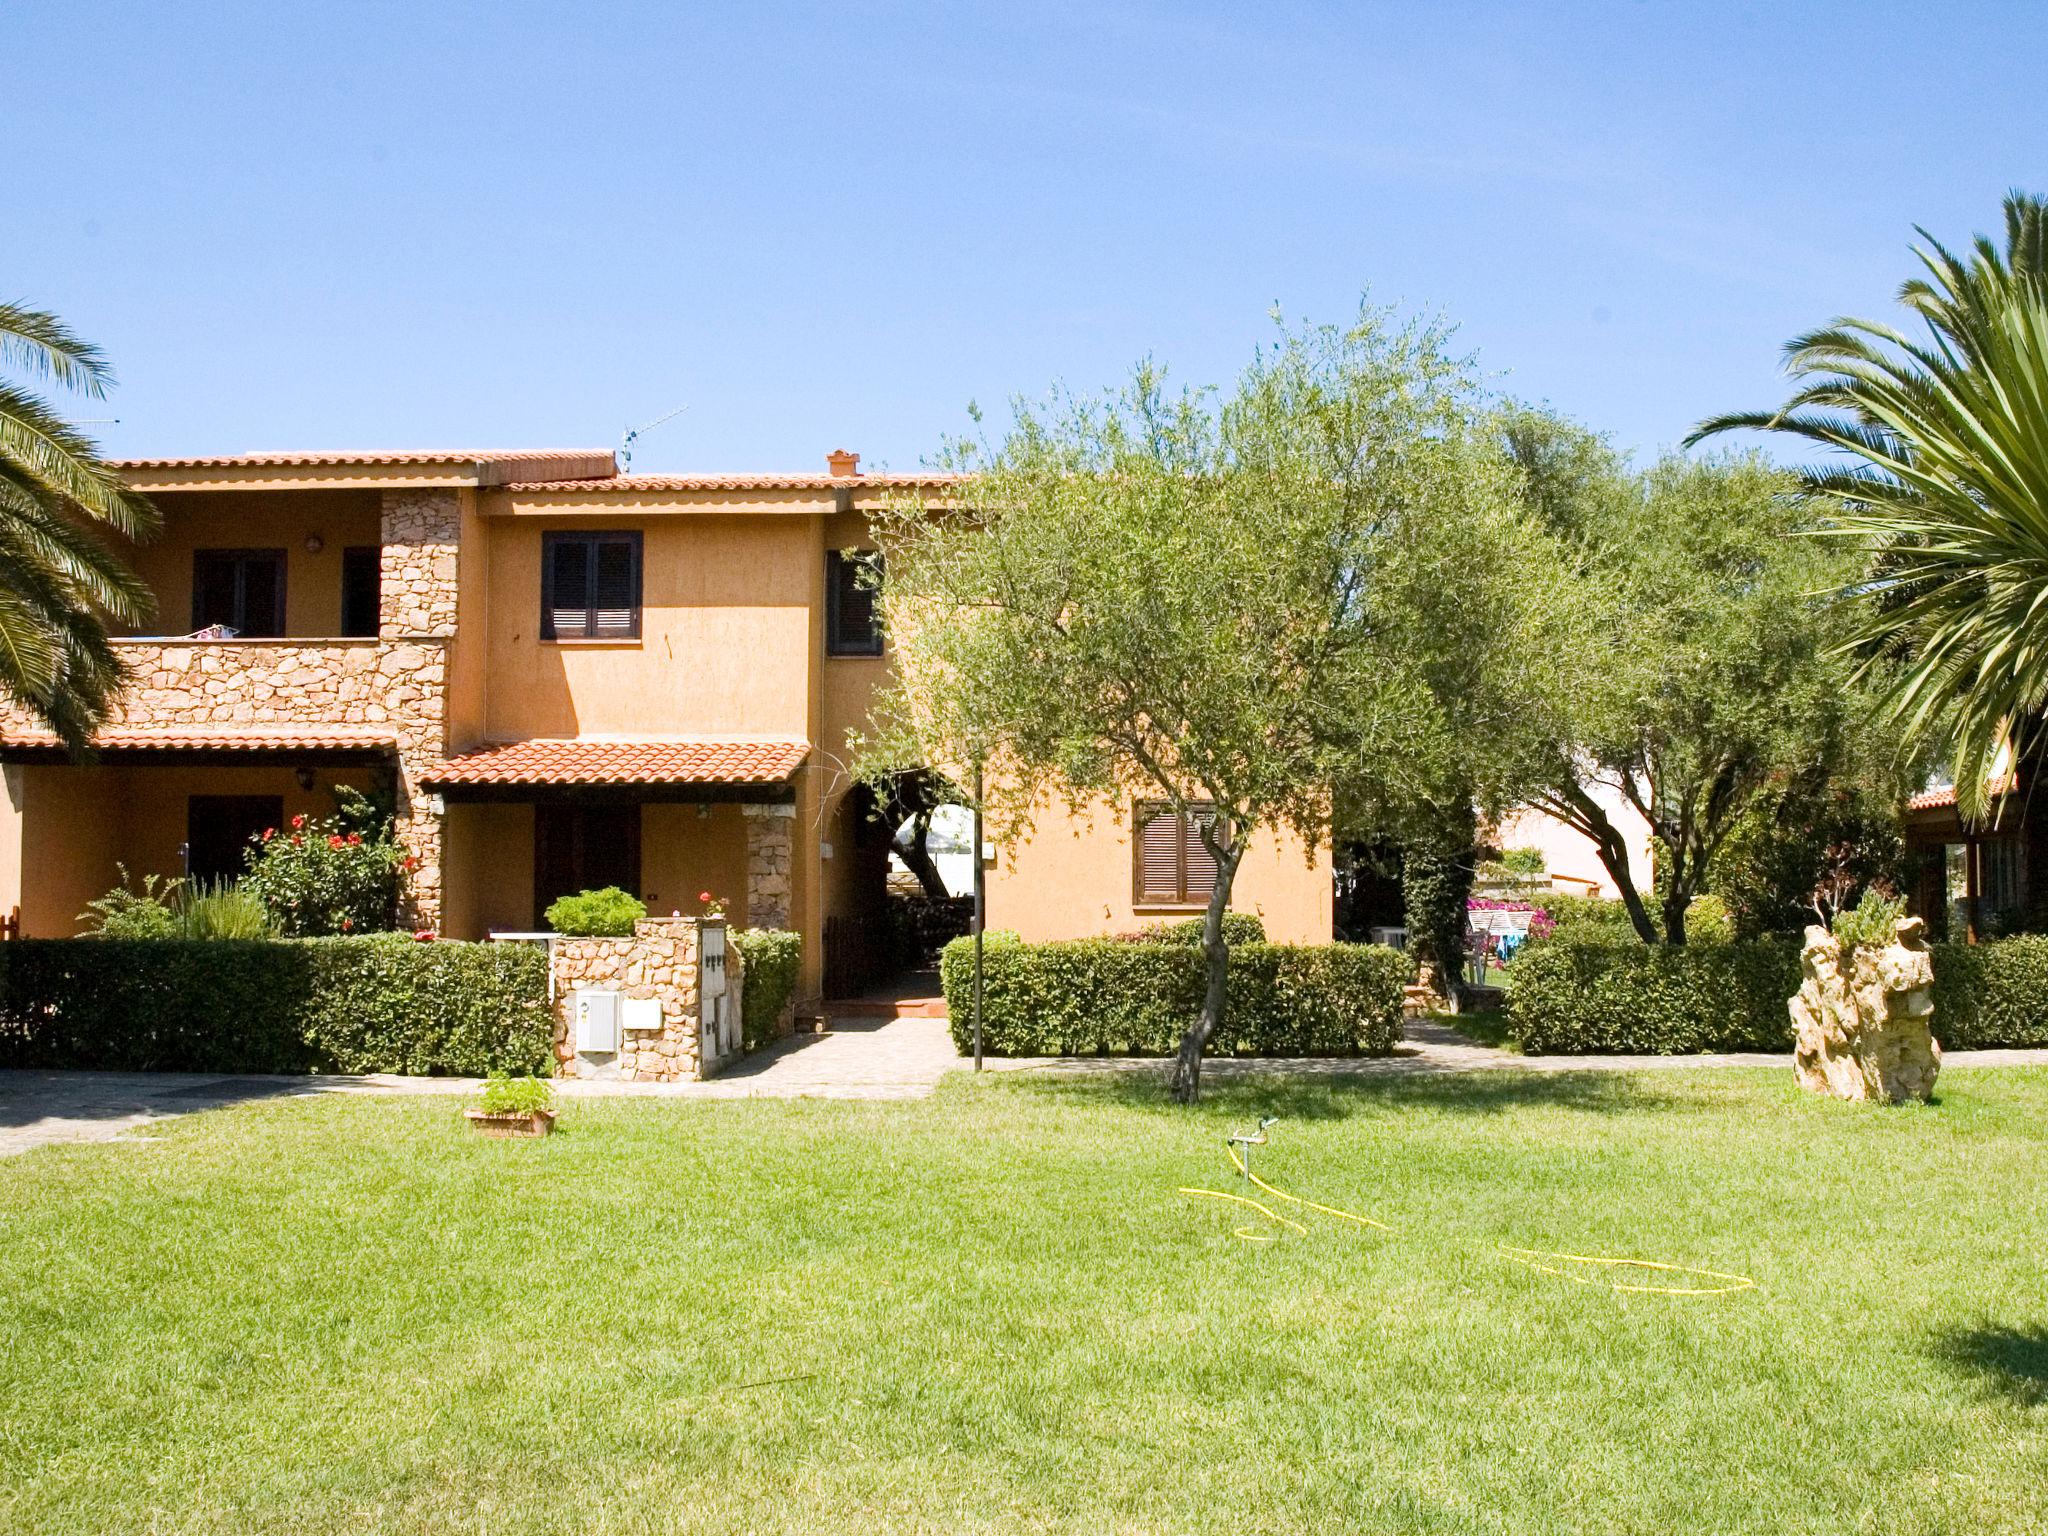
[770,861]
[422,533]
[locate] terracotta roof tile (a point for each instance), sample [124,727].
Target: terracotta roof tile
[494,466]
[761,482]
[237,738]
[684,760]
[1935,799]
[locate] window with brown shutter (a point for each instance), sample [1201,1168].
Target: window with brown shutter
[853,617]
[590,586]
[1170,866]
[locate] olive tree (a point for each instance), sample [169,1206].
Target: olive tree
[1708,666]
[1205,598]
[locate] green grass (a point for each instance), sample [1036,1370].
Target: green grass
[991,1312]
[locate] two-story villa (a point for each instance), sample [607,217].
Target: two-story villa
[571,678]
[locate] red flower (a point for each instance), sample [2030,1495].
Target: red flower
[347,923]
[297,840]
[355,839]
[298,822]
[423,935]
[334,841]
[408,863]
[703,895]
[269,833]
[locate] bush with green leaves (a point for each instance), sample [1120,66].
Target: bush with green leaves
[606,913]
[1093,997]
[1238,928]
[128,913]
[1871,924]
[506,1095]
[335,875]
[1707,921]
[378,1004]
[771,959]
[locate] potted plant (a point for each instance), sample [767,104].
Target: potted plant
[514,1106]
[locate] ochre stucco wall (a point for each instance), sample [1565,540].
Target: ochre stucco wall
[489,863]
[682,853]
[259,520]
[1072,878]
[724,642]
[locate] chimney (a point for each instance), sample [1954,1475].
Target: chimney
[845,466]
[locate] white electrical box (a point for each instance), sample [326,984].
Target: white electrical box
[597,1020]
[640,1015]
[711,975]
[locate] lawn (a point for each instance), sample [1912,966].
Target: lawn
[990,1311]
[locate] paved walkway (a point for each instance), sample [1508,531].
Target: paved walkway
[859,1059]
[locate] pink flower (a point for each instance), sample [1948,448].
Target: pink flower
[269,833]
[423,935]
[298,822]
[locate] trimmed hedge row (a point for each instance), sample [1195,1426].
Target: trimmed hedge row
[1107,997]
[771,958]
[1582,995]
[380,1003]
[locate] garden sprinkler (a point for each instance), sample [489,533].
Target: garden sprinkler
[1249,1139]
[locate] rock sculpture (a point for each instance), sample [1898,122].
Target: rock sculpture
[1861,1030]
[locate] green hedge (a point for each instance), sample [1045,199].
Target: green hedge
[1580,995]
[383,1003]
[1992,994]
[1238,928]
[771,958]
[1109,997]
[1584,995]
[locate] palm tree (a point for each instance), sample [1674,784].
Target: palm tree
[62,577]
[1948,487]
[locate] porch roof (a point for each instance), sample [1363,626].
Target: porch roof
[685,760]
[232,740]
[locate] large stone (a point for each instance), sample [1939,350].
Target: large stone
[1863,1032]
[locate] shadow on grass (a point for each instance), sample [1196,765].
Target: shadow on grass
[2013,1361]
[1334,1095]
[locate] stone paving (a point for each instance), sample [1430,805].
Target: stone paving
[858,1059]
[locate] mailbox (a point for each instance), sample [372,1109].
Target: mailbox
[597,1020]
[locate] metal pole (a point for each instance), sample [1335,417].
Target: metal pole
[980,912]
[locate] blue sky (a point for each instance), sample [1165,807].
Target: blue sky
[426,225]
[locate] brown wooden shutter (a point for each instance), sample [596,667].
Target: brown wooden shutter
[568,611]
[616,590]
[1198,866]
[1159,854]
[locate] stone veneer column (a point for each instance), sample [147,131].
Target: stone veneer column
[422,533]
[770,860]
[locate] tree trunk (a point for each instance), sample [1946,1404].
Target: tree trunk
[1187,1066]
[1613,851]
[1676,900]
[912,846]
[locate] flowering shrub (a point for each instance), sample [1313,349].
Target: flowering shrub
[338,875]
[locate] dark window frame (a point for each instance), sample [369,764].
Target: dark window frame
[373,556]
[847,562]
[632,539]
[242,559]
[1144,813]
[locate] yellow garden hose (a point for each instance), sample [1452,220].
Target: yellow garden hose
[1602,1266]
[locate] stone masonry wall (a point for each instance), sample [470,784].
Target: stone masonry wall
[769,864]
[660,961]
[422,532]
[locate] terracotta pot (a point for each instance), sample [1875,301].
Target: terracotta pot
[536,1122]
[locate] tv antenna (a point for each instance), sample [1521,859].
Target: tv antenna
[626,442]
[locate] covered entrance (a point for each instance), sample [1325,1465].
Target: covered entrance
[162,802]
[670,821]
[906,888]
